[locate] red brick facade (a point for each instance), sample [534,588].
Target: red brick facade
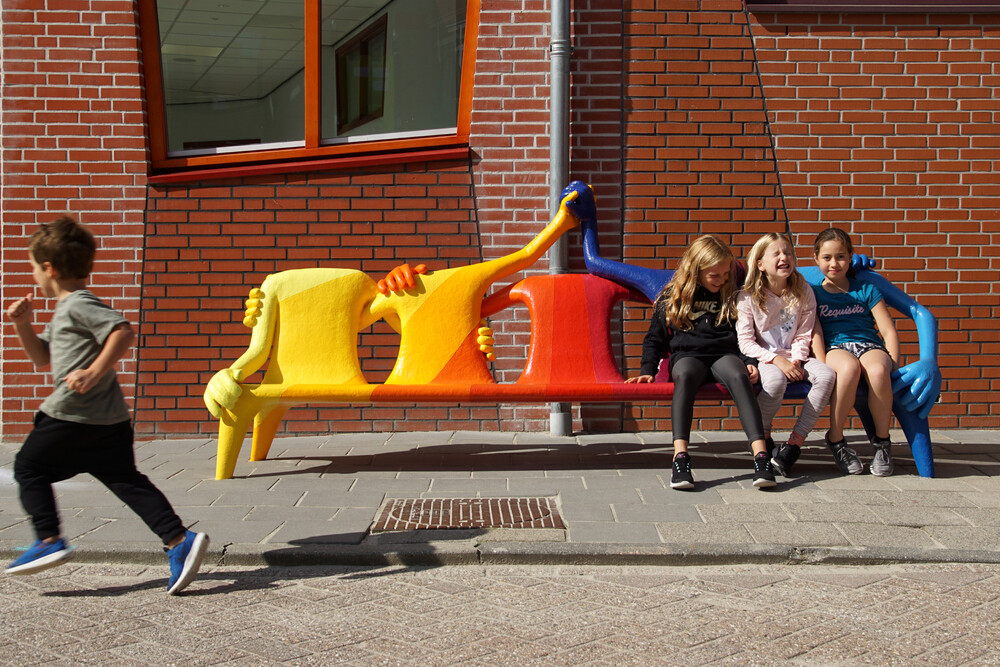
[884,124]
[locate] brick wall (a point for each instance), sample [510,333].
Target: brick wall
[885,124]
[73,140]
[699,157]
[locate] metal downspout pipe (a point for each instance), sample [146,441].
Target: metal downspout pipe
[560,48]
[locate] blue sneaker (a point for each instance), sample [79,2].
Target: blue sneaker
[185,559]
[41,556]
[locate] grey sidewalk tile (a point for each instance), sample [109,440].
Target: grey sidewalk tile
[237,532]
[391,487]
[586,512]
[966,537]
[369,498]
[508,473]
[657,513]
[249,498]
[421,438]
[862,482]
[759,497]
[544,486]
[600,532]
[302,532]
[278,515]
[896,515]
[600,496]
[799,534]
[744,513]
[695,533]
[832,513]
[435,474]
[660,496]
[848,497]
[927,499]
[936,485]
[465,488]
[871,535]
[985,500]
[544,439]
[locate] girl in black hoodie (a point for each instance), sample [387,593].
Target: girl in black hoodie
[694,323]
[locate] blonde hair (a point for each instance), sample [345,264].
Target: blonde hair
[677,296]
[756,282]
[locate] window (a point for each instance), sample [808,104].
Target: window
[266,81]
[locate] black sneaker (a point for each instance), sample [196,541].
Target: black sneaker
[784,458]
[681,477]
[763,474]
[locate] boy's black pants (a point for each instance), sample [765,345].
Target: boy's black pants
[57,450]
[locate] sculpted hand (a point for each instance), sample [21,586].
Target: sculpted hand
[222,392]
[917,386]
[859,262]
[400,278]
[485,340]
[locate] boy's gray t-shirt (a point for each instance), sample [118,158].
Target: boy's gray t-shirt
[80,325]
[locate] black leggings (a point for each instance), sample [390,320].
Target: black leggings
[56,450]
[690,373]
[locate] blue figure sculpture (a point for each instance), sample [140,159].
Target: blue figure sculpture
[916,386]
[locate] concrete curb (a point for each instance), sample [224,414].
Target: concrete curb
[433,554]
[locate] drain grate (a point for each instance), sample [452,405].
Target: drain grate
[442,513]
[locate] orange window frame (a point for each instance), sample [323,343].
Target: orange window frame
[407,149]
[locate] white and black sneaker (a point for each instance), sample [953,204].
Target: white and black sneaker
[763,473]
[681,477]
[784,458]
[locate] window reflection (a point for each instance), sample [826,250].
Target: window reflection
[422,66]
[232,72]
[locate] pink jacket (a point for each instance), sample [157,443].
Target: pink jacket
[781,330]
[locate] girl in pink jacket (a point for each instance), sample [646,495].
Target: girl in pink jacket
[777,314]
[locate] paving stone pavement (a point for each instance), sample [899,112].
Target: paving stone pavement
[900,614]
[315,498]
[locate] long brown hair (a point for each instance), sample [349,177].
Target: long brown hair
[676,298]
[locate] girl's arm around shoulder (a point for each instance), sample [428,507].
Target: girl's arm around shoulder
[886,327]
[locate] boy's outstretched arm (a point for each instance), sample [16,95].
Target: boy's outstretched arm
[19,313]
[116,345]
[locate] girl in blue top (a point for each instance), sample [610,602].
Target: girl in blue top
[856,339]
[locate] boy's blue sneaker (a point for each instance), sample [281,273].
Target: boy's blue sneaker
[185,559]
[41,556]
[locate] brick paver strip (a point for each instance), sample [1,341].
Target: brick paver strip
[442,513]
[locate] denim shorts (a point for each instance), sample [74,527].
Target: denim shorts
[857,349]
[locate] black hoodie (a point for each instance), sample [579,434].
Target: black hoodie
[706,339]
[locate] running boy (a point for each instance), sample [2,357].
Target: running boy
[84,425]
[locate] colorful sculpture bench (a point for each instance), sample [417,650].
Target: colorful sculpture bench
[305,326]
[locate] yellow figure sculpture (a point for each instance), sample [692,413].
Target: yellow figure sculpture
[306,324]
